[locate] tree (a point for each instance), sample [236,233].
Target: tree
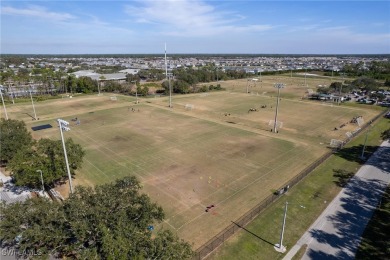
[387,83]
[46,155]
[108,222]
[386,134]
[13,138]
[364,83]
[324,90]
[336,86]
[143,91]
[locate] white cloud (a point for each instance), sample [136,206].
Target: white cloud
[189,18]
[84,22]
[38,12]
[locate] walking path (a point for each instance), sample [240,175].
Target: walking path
[10,193]
[336,234]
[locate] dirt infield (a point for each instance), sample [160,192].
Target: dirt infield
[217,153]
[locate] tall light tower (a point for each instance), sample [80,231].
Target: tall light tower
[32,102]
[2,100]
[10,89]
[364,145]
[278,86]
[64,127]
[305,76]
[168,77]
[340,90]
[279,247]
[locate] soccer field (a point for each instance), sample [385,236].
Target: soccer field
[217,154]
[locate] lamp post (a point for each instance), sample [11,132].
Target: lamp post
[278,86]
[279,247]
[64,126]
[364,145]
[32,102]
[2,100]
[43,187]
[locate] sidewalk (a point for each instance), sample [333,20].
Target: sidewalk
[10,193]
[336,234]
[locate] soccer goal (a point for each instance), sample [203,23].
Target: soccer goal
[360,121]
[189,107]
[279,124]
[335,143]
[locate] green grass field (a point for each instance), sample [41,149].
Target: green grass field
[189,159]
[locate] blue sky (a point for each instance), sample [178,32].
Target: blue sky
[195,26]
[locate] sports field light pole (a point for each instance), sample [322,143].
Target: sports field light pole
[2,100]
[64,126]
[170,90]
[364,145]
[279,247]
[305,76]
[43,187]
[32,102]
[168,77]
[341,87]
[278,86]
[12,93]
[261,84]
[136,94]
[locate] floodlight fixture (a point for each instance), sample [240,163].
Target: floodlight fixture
[63,127]
[278,86]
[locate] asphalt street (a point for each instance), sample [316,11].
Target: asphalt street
[336,234]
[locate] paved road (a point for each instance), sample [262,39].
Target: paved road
[337,232]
